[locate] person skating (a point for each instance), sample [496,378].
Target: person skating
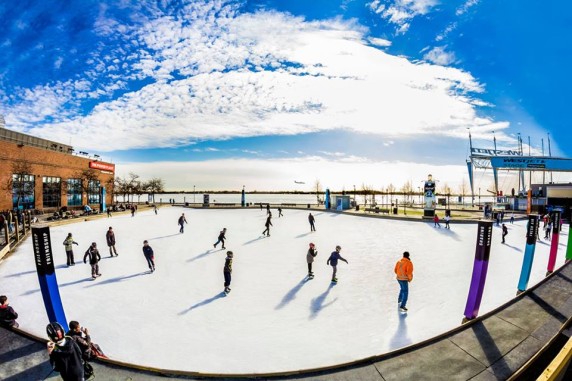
[110,237]
[547,230]
[182,221]
[436,221]
[312,252]
[268,209]
[155,209]
[404,274]
[94,259]
[280,212]
[227,271]
[333,261]
[149,255]
[268,224]
[65,354]
[447,220]
[68,244]
[7,314]
[132,210]
[108,212]
[311,220]
[504,232]
[221,238]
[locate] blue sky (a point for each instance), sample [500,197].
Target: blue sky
[260,93]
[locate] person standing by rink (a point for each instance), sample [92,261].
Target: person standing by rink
[149,255]
[94,259]
[68,244]
[227,271]
[404,272]
[182,221]
[333,261]
[268,224]
[110,237]
[65,354]
[311,220]
[447,220]
[221,238]
[312,253]
[504,232]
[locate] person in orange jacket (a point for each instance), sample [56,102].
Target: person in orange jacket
[404,272]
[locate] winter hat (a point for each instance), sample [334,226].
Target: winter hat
[312,245]
[229,254]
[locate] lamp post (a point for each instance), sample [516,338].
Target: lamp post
[194,195]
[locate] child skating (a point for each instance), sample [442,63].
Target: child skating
[312,252]
[333,261]
[268,224]
[221,238]
[227,271]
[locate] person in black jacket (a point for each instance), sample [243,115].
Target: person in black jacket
[268,224]
[110,237]
[182,221]
[94,259]
[7,314]
[149,255]
[221,238]
[65,354]
[80,335]
[311,220]
[227,271]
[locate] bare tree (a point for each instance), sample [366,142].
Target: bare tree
[19,183]
[406,189]
[463,190]
[318,187]
[155,185]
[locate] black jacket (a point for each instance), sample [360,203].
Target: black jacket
[7,316]
[93,255]
[110,236]
[66,359]
[84,343]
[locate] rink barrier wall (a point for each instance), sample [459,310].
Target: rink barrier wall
[330,368]
[337,367]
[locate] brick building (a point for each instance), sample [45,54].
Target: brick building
[41,174]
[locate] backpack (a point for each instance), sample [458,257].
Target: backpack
[88,371]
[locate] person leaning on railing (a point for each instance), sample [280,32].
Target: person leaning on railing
[7,314]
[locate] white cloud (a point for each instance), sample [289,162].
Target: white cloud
[324,76]
[401,12]
[466,6]
[379,42]
[439,56]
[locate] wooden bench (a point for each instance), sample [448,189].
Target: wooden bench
[377,210]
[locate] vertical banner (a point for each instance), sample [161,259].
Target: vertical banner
[555,218]
[102,204]
[206,200]
[480,266]
[529,201]
[243,199]
[327,199]
[531,235]
[470,169]
[47,275]
[569,248]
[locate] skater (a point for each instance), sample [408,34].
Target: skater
[311,220]
[268,209]
[155,209]
[260,206]
[280,212]
[268,224]
[132,210]
[110,237]
[182,221]
[94,259]
[221,238]
[547,230]
[68,244]
[333,261]
[447,220]
[436,221]
[312,253]
[227,271]
[65,354]
[512,218]
[80,335]
[404,272]
[149,255]
[7,314]
[504,232]
[108,212]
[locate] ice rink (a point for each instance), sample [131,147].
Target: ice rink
[274,319]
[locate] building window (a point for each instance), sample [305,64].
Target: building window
[52,191]
[93,192]
[23,191]
[74,192]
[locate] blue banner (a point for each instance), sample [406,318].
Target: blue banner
[531,163]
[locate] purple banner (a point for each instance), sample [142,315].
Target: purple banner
[555,219]
[480,266]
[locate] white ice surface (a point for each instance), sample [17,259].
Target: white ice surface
[273,320]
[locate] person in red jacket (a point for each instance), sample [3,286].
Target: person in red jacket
[404,272]
[436,221]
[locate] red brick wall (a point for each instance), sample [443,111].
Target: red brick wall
[44,163]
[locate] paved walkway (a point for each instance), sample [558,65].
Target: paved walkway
[491,348]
